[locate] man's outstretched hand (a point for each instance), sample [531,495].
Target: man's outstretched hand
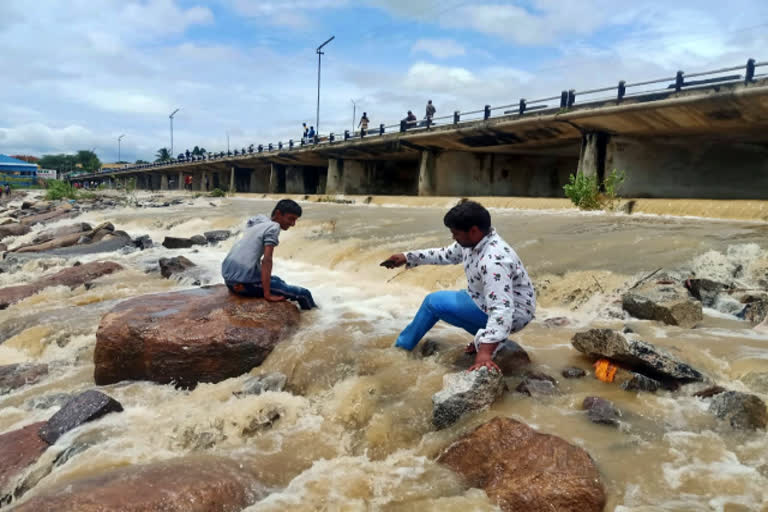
[274,298]
[396,260]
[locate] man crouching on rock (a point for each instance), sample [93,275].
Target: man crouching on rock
[247,269]
[500,299]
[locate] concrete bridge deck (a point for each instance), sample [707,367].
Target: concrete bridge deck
[708,141]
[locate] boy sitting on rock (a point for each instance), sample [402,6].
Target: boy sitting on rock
[247,269]
[499,299]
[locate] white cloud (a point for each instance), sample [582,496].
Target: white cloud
[439,48]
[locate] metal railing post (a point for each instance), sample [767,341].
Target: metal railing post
[381,129]
[332,137]
[260,148]
[487,112]
[563,99]
[269,146]
[749,76]
[290,143]
[571,97]
[456,117]
[521,108]
[622,90]
[346,135]
[279,145]
[679,81]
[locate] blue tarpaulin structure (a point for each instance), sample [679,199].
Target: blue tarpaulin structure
[17,173]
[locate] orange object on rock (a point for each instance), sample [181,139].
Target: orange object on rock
[605,370]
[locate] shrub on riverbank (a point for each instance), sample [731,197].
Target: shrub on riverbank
[584,191]
[217,192]
[60,190]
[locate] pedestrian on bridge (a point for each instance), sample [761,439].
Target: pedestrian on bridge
[430,112]
[311,134]
[410,120]
[305,132]
[363,124]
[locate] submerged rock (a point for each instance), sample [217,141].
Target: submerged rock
[710,392]
[639,382]
[72,277]
[143,242]
[199,240]
[521,469]
[197,335]
[637,354]
[87,406]
[187,484]
[573,373]
[19,449]
[756,311]
[172,242]
[261,383]
[537,383]
[175,265]
[668,303]
[15,229]
[464,392]
[602,411]
[705,290]
[14,376]
[742,410]
[218,235]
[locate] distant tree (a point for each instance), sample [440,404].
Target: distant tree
[88,160]
[196,151]
[163,155]
[60,162]
[141,162]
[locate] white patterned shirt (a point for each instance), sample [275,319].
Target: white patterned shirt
[496,281]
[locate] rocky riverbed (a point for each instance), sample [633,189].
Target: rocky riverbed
[129,375]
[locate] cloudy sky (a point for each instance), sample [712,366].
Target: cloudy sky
[77,73]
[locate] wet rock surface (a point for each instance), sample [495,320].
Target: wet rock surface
[464,392]
[573,373]
[143,242]
[87,406]
[218,235]
[259,384]
[639,355]
[175,265]
[522,469]
[663,302]
[72,277]
[705,290]
[742,411]
[19,449]
[198,335]
[639,382]
[601,411]
[13,376]
[538,384]
[189,484]
[172,242]
[756,311]
[15,229]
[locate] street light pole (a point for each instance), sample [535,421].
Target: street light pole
[354,114]
[171,118]
[319,57]
[118,147]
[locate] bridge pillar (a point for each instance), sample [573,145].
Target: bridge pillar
[427,174]
[203,185]
[259,180]
[294,179]
[349,176]
[334,176]
[232,179]
[276,179]
[593,153]
[163,181]
[181,180]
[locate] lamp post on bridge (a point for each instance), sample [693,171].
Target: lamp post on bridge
[171,118]
[118,148]
[319,57]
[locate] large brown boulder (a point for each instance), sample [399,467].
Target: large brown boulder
[522,469]
[188,484]
[18,450]
[68,239]
[72,277]
[199,335]
[61,211]
[15,229]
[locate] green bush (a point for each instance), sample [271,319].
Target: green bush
[60,190]
[217,192]
[584,191]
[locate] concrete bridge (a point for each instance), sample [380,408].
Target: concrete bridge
[703,135]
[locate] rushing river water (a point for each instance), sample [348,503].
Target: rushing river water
[355,420]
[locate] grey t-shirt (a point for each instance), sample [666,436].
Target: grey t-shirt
[243,263]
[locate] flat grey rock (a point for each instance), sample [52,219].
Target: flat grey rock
[464,392]
[667,303]
[742,410]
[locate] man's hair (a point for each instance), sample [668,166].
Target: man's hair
[467,214]
[285,206]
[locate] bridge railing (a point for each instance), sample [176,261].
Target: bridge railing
[648,90]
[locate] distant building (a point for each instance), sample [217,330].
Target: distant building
[111,167]
[17,173]
[47,174]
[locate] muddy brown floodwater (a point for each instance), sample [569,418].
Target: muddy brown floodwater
[355,420]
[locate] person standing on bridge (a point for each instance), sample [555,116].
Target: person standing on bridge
[430,112]
[305,132]
[363,124]
[499,300]
[247,269]
[311,135]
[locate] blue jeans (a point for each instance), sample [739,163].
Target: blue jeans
[277,287]
[456,308]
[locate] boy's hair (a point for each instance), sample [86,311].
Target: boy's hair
[285,206]
[467,214]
